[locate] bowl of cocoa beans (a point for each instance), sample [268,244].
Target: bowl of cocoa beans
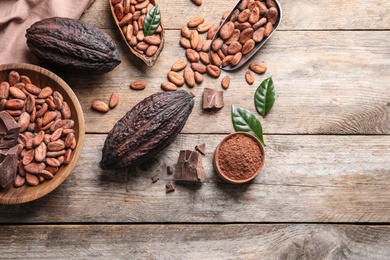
[41,132]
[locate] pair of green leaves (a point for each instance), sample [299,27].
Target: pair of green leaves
[244,120]
[152,21]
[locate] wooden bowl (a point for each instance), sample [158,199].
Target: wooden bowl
[41,78]
[223,174]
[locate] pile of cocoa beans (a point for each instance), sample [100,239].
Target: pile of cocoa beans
[46,137]
[131,16]
[248,25]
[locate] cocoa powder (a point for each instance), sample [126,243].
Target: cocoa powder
[239,157]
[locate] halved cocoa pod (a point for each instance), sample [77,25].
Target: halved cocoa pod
[148,56]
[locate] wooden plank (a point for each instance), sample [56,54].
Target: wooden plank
[326,83]
[196,241]
[297,15]
[305,179]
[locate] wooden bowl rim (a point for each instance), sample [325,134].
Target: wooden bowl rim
[32,193]
[216,164]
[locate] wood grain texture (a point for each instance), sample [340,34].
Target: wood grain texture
[297,14]
[326,83]
[283,242]
[304,179]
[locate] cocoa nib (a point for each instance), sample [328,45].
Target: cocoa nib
[212,99]
[154,179]
[189,167]
[201,148]
[169,187]
[169,170]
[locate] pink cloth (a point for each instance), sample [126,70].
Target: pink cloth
[18,15]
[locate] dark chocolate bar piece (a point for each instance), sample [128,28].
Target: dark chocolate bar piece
[212,99]
[8,166]
[189,167]
[201,148]
[9,131]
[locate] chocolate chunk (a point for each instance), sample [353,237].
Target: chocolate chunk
[154,179]
[201,148]
[169,170]
[212,99]
[8,166]
[169,187]
[9,131]
[189,167]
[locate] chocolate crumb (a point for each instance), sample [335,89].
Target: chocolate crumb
[201,148]
[169,170]
[154,179]
[169,187]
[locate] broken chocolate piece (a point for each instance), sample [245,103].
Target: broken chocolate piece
[8,166]
[9,131]
[169,187]
[212,99]
[189,167]
[201,148]
[154,179]
[169,170]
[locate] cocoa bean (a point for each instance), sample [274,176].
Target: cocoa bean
[55,153]
[194,39]
[204,27]
[254,16]
[13,78]
[14,104]
[211,32]
[234,38]
[42,110]
[24,121]
[50,161]
[191,55]
[154,39]
[31,179]
[40,152]
[24,79]
[185,32]
[215,59]
[34,167]
[189,77]
[57,145]
[179,65]
[199,67]
[32,89]
[225,83]
[38,139]
[100,106]
[258,67]
[272,15]
[268,29]
[213,71]
[151,50]
[226,30]
[198,77]
[194,22]
[258,35]
[48,117]
[113,102]
[227,60]
[69,140]
[119,12]
[19,181]
[204,58]
[216,44]
[236,58]
[67,156]
[246,35]
[248,46]
[46,174]
[185,43]
[28,157]
[138,85]
[176,78]
[50,103]
[30,103]
[244,16]
[65,111]
[234,48]
[17,93]
[168,86]
[249,77]
[206,46]
[197,2]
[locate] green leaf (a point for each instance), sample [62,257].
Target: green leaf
[152,21]
[265,97]
[245,121]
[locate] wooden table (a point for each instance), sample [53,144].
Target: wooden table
[322,194]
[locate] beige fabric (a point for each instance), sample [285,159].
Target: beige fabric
[18,15]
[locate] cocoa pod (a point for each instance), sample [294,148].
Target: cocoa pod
[130,143]
[91,51]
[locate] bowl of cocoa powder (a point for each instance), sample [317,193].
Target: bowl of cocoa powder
[239,158]
[41,131]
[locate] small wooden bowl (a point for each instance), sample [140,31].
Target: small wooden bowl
[41,78]
[217,164]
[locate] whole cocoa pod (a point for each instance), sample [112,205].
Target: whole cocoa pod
[72,44]
[149,127]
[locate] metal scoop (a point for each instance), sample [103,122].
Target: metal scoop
[258,45]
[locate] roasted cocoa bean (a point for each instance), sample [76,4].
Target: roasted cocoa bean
[179,65]
[176,78]
[138,85]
